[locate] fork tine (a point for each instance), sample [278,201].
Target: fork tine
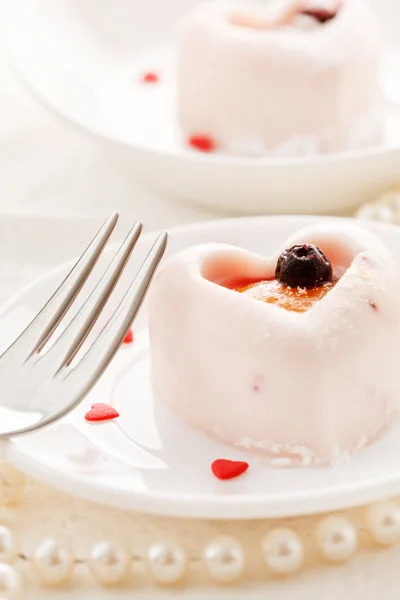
[40,329]
[100,354]
[68,344]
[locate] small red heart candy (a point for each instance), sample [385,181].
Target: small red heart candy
[228,469]
[150,77]
[128,339]
[101,412]
[202,142]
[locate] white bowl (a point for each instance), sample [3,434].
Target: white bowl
[83,60]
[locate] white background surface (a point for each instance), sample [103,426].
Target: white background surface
[65,173]
[49,171]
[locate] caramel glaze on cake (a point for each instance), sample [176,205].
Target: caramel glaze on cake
[294,299]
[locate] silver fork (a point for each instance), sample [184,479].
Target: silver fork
[38,385]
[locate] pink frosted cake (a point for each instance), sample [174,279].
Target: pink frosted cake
[294,356]
[290,77]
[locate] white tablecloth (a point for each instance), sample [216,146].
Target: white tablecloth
[50,171]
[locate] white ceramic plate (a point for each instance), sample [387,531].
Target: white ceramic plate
[149,460]
[84,61]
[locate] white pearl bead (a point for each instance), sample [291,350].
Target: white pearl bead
[224,559]
[283,551]
[12,484]
[8,547]
[10,582]
[395,206]
[383,520]
[337,538]
[376,212]
[109,563]
[167,562]
[52,563]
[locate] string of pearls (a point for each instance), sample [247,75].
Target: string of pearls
[224,559]
[385,209]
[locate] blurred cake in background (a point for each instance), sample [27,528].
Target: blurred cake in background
[284,77]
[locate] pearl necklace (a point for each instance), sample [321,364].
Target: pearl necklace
[224,559]
[386,209]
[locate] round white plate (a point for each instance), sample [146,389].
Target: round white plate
[149,460]
[85,61]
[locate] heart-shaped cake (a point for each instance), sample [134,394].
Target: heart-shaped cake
[284,77]
[294,356]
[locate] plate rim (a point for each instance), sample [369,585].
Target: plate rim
[226,506]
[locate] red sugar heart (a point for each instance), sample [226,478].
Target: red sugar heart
[202,142]
[101,412]
[150,77]
[128,339]
[228,469]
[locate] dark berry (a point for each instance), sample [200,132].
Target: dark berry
[322,15]
[303,266]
